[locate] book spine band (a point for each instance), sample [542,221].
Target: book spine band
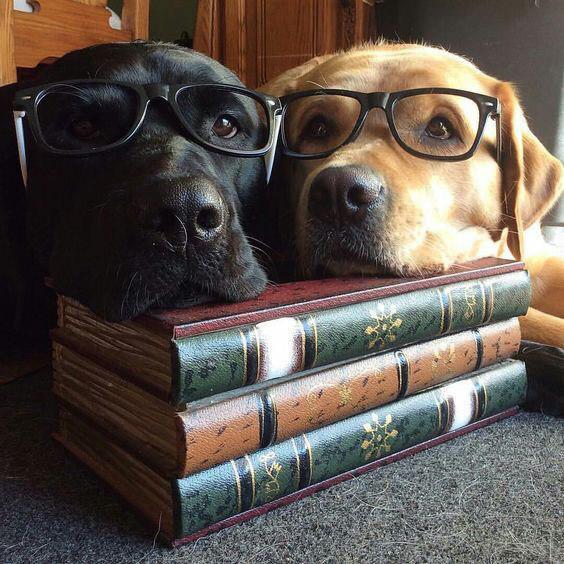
[211,363]
[258,419]
[272,473]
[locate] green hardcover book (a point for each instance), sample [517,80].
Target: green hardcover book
[185,355]
[238,489]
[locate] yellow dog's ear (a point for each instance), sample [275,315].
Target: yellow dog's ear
[532,177]
[287,82]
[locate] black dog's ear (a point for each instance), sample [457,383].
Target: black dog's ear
[12,191]
[12,212]
[22,294]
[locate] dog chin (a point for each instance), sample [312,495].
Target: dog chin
[350,267]
[232,288]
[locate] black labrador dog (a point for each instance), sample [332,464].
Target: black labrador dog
[157,220]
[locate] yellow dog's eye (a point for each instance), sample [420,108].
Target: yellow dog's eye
[225,127]
[317,128]
[439,128]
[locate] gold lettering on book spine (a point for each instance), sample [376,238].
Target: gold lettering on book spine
[379,437]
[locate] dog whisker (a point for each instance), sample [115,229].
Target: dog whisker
[316,84]
[126,296]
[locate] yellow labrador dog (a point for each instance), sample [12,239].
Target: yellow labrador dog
[405,159]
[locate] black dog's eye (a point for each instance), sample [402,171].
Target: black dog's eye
[439,128]
[226,127]
[317,128]
[84,129]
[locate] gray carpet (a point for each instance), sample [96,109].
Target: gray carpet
[495,495]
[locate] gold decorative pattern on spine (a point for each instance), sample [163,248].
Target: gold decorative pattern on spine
[253,480]
[298,468]
[238,482]
[438,404]
[379,437]
[257,339]
[310,457]
[245,357]
[450,307]
[272,469]
[485,393]
[483,292]
[476,402]
[448,412]
[490,313]
[274,415]
[471,303]
[441,329]
[303,336]
[314,327]
[345,394]
[383,332]
[449,350]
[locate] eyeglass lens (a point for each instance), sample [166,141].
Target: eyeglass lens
[223,118]
[84,116]
[429,124]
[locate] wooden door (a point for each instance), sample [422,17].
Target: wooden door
[259,39]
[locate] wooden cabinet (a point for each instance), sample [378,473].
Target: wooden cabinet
[259,39]
[52,28]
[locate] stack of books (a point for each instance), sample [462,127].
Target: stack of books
[209,415]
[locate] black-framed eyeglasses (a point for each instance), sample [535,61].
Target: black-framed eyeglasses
[443,124]
[78,118]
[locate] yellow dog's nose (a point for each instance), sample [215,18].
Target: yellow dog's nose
[345,194]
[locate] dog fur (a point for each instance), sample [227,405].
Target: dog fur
[82,220]
[436,213]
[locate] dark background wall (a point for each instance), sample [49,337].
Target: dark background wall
[168,19]
[517,40]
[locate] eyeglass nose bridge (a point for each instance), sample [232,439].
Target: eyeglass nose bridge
[378,100]
[155,91]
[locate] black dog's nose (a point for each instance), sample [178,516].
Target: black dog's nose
[184,213]
[344,194]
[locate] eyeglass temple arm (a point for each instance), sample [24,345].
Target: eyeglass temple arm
[270,156]
[18,122]
[497,118]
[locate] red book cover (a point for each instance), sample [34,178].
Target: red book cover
[301,297]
